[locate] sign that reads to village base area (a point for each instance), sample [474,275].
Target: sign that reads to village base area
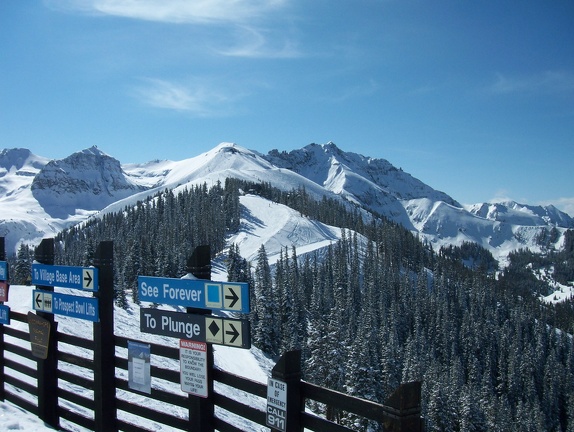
[3,270]
[195,293]
[81,278]
[198,328]
[193,364]
[85,308]
[276,416]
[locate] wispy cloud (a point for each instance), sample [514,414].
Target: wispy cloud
[200,98]
[501,195]
[241,23]
[174,11]
[548,82]
[256,43]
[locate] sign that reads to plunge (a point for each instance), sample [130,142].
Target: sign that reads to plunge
[199,328]
[82,278]
[195,293]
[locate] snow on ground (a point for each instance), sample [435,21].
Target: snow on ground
[277,226]
[251,364]
[14,418]
[560,294]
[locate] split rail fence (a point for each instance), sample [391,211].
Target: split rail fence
[82,383]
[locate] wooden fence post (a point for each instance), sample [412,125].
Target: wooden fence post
[104,342]
[2,372]
[288,370]
[48,368]
[202,410]
[404,406]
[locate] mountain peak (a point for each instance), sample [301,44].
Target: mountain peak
[18,158]
[88,180]
[375,183]
[94,151]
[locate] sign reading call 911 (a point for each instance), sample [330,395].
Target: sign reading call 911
[276,416]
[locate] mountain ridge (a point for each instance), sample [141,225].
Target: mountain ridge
[89,182]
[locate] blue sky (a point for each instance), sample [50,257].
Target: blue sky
[474,98]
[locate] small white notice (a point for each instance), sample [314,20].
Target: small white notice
[139,375]
[193,365]
[277,404]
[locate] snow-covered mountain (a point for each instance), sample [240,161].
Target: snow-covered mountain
[371,183]
[39,197]
[88,180]
[378,186]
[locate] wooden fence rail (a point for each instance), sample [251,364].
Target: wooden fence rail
[81,380]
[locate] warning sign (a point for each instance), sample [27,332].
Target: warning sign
[193,364]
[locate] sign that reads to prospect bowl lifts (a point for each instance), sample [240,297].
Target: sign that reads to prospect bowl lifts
[81,278]
[3,271]
[85,308]
[195,293]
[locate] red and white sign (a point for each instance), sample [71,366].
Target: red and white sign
[4,291]
[193,365]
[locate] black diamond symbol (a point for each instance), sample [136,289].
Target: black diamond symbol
[214,328]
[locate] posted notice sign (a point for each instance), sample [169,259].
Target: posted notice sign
[276,415]
[39,335]
[193,364]
[139,367]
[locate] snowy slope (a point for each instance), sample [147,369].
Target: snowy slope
[40,197]
[276,226]
[263,222]
[373,183]
[377,185]
[22,218]
[251,364]
[90,180]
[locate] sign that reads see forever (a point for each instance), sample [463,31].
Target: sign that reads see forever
[195,293]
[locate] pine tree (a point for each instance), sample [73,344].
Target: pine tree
[23,268]
[266,337]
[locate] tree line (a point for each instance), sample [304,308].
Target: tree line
[377,308]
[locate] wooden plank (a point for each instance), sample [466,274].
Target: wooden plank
[150,414]
[241,383]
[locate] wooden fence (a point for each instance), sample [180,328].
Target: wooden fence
[83,383]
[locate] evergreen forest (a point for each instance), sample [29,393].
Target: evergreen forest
[373,310]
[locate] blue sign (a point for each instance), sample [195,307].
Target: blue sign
[85,308]
[4,314]
[195,293]
[3,270]
[82,278]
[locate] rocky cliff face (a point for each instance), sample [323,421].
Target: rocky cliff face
[88,180]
